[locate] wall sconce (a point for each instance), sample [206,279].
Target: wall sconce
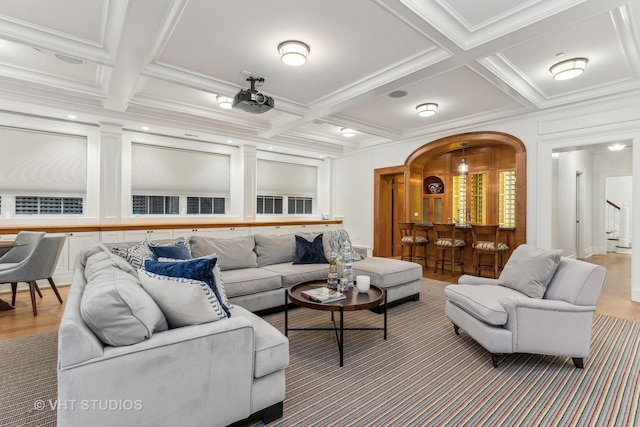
[224,102]
[568,69]
[293,52]
[426,110]
[348,133]
[463,166]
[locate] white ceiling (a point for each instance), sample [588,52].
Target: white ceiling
[161,63]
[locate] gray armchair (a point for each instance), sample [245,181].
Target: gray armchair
[26,242]
[40,263]
[554,318]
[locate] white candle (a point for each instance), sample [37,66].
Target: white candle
[363,283]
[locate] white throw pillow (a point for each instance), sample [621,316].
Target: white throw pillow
[217,273]
[183,301]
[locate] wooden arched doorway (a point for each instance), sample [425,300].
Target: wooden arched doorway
[490,151]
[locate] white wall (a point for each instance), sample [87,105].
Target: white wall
[569,164]
[353,196]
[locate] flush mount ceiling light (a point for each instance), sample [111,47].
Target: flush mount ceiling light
[426,110]
[568,69]
[348,133]
[616,147]
[224,102]
[293,52]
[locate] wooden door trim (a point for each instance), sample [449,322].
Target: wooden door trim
[377,176]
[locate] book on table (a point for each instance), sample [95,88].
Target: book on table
[323,295]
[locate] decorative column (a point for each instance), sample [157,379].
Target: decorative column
[250,168]
[110,173]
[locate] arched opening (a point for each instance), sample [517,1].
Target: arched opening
[497,163]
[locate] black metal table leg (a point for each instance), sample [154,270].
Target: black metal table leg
[341,343]
[385,314]
[286,313]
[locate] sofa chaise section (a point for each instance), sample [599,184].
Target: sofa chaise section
[210,374]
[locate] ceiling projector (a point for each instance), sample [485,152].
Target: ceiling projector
[252,101]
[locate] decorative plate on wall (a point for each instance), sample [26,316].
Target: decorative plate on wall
[433,185]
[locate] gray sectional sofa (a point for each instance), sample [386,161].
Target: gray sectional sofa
[256,269]
[115,346]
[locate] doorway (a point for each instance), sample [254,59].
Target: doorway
[389,209]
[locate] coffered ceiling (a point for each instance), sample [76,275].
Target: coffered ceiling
[161,63]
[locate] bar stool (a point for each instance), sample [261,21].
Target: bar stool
[412,241]
[485,242]
[446,243]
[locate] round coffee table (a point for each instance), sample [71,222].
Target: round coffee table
[354,301]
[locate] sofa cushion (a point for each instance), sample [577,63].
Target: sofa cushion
[530,269]
[309,252]
[91,249]
[484,302]
[247,281]
[233,253]
[299,273]
[271,346]
[275,249]
[387,272]
[201,269]
[183,301]
[105,259]
[176,250]
[118,310]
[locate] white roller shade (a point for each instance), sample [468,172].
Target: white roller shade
[286,179]
[169,171]
[41,163]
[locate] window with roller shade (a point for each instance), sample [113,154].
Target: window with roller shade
[42,173]
[285,188]
[172,181]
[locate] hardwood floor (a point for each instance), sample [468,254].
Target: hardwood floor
[21,321]
[615,299]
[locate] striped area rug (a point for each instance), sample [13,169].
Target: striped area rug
[422,375]
[27,378]
[425,375]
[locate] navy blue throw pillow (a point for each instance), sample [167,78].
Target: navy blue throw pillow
[177,251]
[310,252]
[196,269]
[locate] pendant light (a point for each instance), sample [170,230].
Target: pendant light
[463,166]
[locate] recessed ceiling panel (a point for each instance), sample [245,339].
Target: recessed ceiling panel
[81,19]
[472,16]
[349,41]
[328,131]
[459,93]
[45,64]
[594,38]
